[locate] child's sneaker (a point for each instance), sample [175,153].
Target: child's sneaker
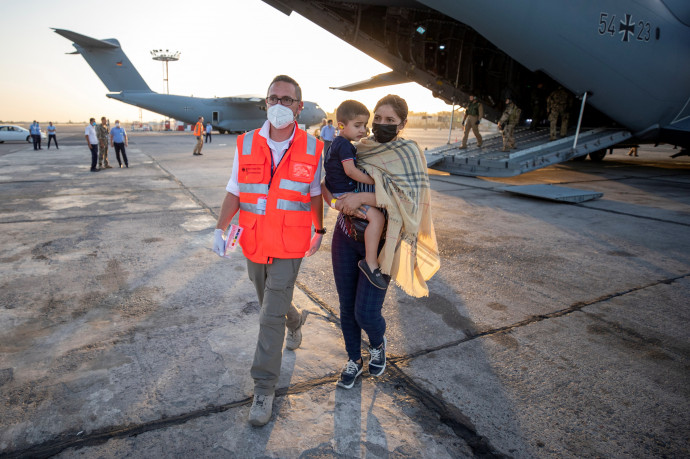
[375,277]
[377,360]
[350,372]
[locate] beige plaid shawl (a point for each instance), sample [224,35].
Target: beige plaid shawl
[410,253]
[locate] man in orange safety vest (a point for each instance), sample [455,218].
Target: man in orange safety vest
[275,186]
[199,134]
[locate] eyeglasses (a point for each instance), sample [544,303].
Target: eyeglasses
[285,100]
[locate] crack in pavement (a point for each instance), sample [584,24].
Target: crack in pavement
[575,307]
[174,178]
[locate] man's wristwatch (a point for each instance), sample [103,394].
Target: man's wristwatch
[320,231]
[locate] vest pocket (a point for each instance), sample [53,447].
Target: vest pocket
[296,231]
[248,239]
[251,173]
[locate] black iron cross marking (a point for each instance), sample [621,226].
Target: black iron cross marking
[626,27]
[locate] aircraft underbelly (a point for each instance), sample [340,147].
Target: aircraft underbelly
[631,75]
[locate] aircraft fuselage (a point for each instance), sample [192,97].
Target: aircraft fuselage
[632,58]
[224,113]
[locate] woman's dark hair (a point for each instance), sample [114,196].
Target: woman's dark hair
[398,103]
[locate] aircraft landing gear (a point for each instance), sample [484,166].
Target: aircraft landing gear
[597,155]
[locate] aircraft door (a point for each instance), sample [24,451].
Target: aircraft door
[215,118]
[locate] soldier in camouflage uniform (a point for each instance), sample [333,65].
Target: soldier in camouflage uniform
[507,123]
[103,134]
[473,115]
[558,104]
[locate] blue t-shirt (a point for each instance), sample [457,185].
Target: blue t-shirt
[118,134]
[337,181]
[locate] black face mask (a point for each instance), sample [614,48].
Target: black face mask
[384,132]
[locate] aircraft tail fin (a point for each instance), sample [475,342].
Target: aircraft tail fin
[107,59]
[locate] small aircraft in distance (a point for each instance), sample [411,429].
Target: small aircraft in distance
[227,114]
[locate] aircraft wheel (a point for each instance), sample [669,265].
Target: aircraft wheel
[598,155]
[580,158]
[28,138]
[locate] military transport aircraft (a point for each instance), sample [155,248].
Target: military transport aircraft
[227,114]
[628,59]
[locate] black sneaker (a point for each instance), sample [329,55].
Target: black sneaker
[350,373]
[375,277]
[377,359]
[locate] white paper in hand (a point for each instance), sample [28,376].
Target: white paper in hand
[232,241]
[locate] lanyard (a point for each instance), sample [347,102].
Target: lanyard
[275,167]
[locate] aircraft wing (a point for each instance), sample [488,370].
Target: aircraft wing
[377,81]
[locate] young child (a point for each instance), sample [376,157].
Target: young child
[341,174]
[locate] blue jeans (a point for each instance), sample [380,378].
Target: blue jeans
[360,301]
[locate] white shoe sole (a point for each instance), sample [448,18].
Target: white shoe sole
[344,386]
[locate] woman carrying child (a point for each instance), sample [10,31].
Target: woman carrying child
[408,253]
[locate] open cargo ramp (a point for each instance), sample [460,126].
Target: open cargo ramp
[534,152]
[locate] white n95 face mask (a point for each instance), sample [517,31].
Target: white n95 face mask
[279,116]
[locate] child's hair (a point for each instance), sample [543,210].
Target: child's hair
[349,110]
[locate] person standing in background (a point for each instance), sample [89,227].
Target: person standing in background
[92,143]
[199,134]
[35,131]
[558,105]
[327,136]
[473,115]
[507,123]
[209,128]
[118,139]
[51,135]
[103,134]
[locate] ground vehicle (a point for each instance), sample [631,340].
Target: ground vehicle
[10,132]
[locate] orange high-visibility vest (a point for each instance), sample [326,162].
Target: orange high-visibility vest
[282,229]
[198,129]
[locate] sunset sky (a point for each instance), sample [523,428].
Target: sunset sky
[228,48]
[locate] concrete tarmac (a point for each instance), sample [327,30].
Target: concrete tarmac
[552,329]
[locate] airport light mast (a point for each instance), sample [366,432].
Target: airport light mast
[165,56]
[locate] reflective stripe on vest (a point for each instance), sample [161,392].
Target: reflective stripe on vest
[249,138]
[311,145]
[286,184]
[284,204]
[247,144]
[253,208]
[258,188]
